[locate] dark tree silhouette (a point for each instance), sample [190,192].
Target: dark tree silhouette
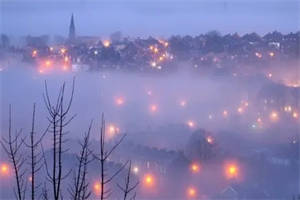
[44,195]
[58,119]
[128,187]
[79,190]
[103,157]
[35,156]
[12,147]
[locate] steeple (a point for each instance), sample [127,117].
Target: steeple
[72,29]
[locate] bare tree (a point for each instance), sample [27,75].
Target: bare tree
[12,147]
[58,119]
[44,194]
[103,157]
[128,188]
[35,156]
[79,190]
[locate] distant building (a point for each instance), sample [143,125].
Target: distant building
[72,34]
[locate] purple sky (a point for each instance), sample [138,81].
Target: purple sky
[148,17]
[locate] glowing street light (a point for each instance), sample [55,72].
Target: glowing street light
[66,59]
[240,110]
[153,64]
[270,75]
[191,192]
[259,55]
[191,123]
[112,130]
[231,171]
[148,180]
[195,167]
[135,170]
[4,169]
[63,50]
[209,139]
[287,108]
[295,115]
[97,188]
[48,63]
[34,53]
[274,116]
[106,43]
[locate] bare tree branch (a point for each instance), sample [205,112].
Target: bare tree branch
[12,146]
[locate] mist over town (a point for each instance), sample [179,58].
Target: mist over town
[212,115]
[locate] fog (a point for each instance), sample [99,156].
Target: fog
[186,104]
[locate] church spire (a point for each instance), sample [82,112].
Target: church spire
[72,29]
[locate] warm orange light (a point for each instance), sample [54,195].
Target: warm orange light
[112,130]
[148,180]
[195,167]
[106,43]
[191,192]
[274,116]
[4,169]
[231,171]
[272,54]
[97,188]
[48,63]
[30,178]
[295,115]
